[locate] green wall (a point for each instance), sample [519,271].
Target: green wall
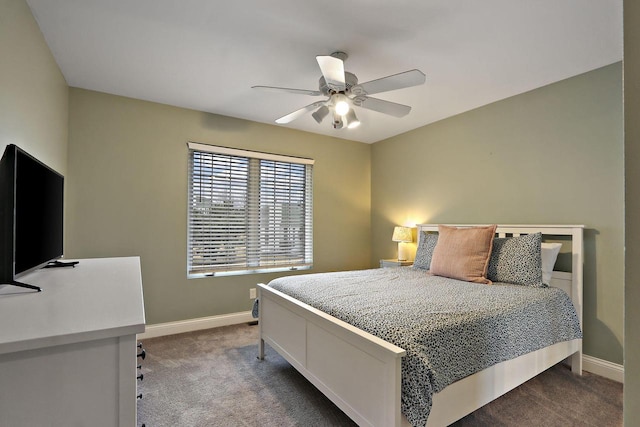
[632,208]
[127,185]
[553,155]
[33,92]
[550,156]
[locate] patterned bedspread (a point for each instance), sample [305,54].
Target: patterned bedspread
[449,328]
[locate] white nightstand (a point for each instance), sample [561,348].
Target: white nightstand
[385,263]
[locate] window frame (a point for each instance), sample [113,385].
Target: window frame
[256,258]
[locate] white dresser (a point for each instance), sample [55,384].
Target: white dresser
[68,353]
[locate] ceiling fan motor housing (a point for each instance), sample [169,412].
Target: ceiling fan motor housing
[350,81]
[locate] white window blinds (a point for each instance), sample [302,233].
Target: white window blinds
[249,212]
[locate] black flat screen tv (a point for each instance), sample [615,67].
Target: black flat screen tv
[31,215]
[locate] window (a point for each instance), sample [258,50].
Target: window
[249,212]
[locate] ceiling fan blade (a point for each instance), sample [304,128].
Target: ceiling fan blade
[396,81]
[333,71]
[292,116]
[289,90]
[386,107]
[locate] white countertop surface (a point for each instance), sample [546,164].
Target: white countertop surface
[98,298]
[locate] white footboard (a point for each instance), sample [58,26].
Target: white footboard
[357,371]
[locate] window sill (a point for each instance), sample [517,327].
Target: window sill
[250,271]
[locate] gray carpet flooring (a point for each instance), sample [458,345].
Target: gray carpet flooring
[213,378]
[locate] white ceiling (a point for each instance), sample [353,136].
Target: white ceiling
[206,54]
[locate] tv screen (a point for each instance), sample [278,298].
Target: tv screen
[38,214]
[32,213]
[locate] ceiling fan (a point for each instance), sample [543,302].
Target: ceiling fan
[343,92]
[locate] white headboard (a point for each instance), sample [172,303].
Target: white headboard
[571,283]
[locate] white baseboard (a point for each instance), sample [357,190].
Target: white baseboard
[181,326]
[604,368]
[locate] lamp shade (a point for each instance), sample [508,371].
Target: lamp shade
[351,119]
[402,234]
[320,113]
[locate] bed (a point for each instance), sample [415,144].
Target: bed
[361,373]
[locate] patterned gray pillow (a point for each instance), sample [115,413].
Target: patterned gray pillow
[517,260]
[425,250]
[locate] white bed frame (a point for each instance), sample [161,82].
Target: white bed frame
[360,373]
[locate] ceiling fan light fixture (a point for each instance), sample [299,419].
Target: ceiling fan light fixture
[320,114]
[352,119]
[341,104]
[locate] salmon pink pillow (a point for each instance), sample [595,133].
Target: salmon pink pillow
[463,253]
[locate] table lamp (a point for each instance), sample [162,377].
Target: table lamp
[402,235]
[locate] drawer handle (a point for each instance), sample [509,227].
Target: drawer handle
[140,377]
[142,354]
